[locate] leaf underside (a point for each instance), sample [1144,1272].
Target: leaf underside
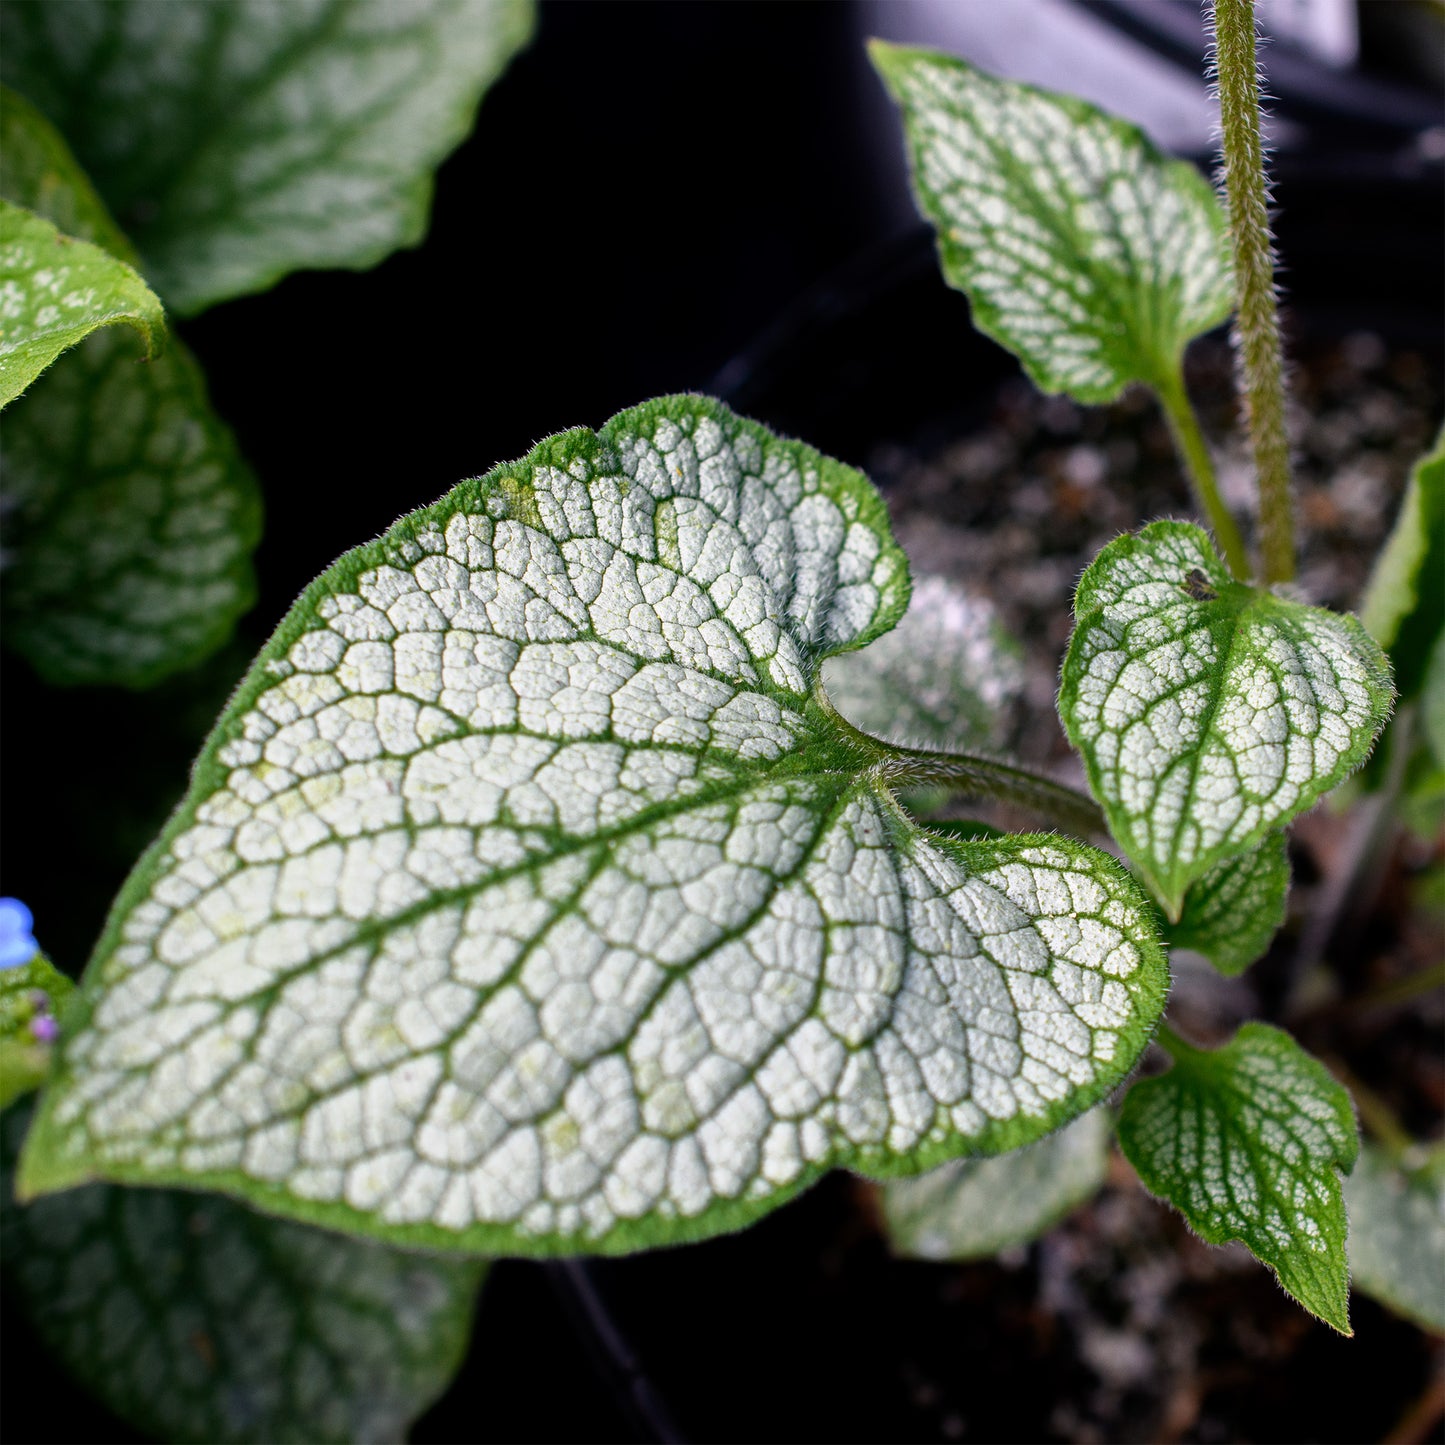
[1209,713]
[54,291]
[196,1319]
[130,515]
[1397,1235]
[1231,914]
[973,1208]
[527,900]
[1247,1143]
[238,142]
[1083,250]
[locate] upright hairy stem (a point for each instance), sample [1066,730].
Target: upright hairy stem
[1257,338]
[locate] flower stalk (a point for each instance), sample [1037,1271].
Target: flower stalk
[1257,342]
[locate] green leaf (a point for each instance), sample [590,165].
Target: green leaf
[1397,1234]
[1245,1142]
[132,524]
[38,171]
[238,142]
[1432,702]
[131,516]
[195,1319]
[972,1208]
[31,995]
[56,290]
[1083,250]
[1403,610]
[1209,713]
[940,679]
[529,898]
[1231,913]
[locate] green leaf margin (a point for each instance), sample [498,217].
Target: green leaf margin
[47,1164]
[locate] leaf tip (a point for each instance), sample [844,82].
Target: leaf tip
[1334,1311]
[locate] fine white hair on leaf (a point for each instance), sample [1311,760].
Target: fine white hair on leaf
[539,902]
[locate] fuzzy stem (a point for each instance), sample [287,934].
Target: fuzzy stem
[1189,440]
[969,774]
[985,777]
[1257,343]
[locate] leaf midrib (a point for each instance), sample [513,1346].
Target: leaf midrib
[1059,222]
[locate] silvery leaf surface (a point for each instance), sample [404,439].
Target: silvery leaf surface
[132,520]
[1083,250]
[1248,1142]
[237,142]
[973,1208]
[528,898]
[194,1318]
[1208,712]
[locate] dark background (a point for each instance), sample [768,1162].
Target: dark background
[657,197]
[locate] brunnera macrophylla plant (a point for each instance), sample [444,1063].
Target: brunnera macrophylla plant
[533,895]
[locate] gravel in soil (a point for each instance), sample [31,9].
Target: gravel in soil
[1132,1329]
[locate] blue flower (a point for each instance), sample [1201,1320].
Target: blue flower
[17,946]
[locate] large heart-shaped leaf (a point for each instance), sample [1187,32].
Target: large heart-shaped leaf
[131,516]
[237,142]
[54,291]
[1083,250]
[528,898]
[1208,712]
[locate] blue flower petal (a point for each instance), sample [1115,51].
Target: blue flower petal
[17,945]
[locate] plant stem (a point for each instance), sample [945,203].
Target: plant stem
[1184,425]
[1402,990]
[1173,1044]
[1256,338]
[967,773]
[986,777]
